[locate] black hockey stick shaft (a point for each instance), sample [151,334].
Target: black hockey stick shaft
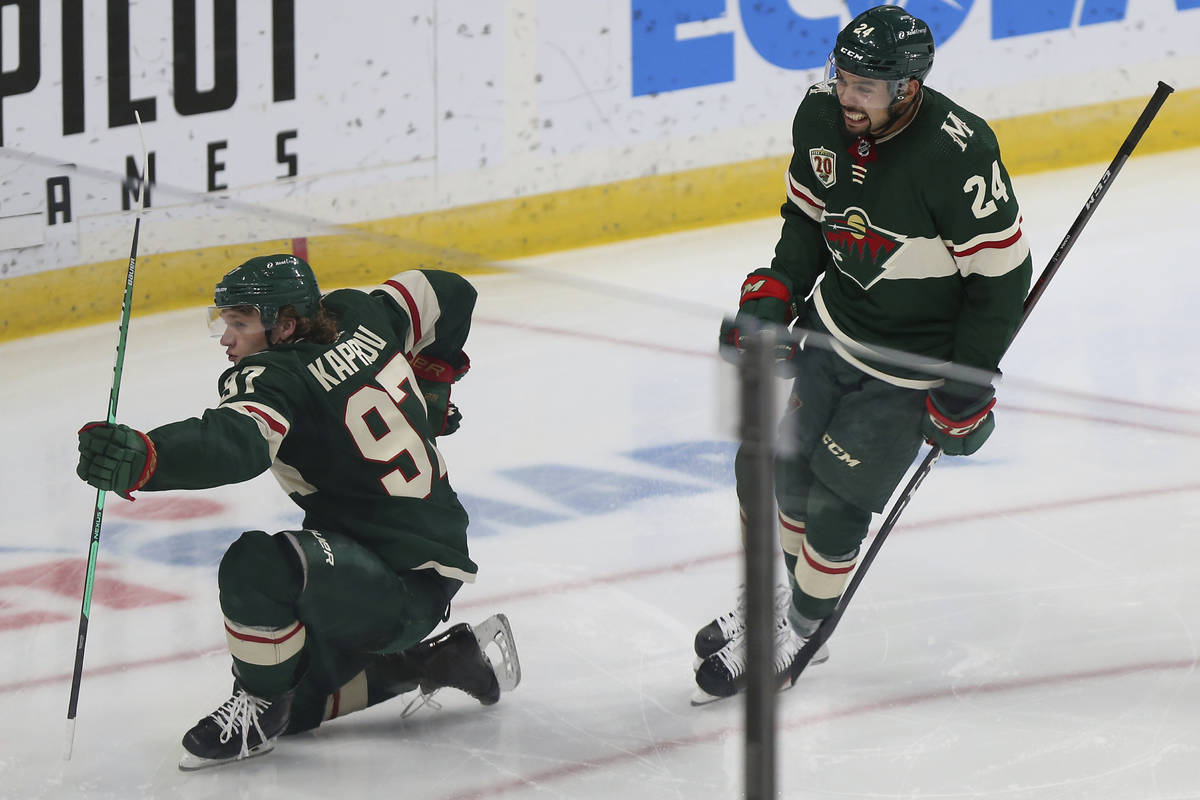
[827,626]
[98,514]
[1089,208]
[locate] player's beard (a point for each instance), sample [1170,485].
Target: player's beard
[862,129]
[872,127]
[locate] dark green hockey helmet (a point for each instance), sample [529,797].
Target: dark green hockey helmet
[885,43]
[269,283]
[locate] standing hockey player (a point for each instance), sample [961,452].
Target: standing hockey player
[896,196]
[341,398]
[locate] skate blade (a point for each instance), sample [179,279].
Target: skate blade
[703,698]
[190,762]
[495,630]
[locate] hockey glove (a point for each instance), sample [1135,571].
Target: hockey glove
[766,300]
[115,458]
[958,424]
[435,376]
[444,416]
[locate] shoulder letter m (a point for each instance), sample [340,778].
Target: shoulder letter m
[957,129]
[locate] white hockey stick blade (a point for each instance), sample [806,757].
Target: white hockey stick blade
[496,631]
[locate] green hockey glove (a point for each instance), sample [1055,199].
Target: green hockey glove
[444,416]
[434,377]
[115,458]
[959,425]
[766,300]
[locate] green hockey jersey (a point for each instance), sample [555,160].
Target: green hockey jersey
[343,426]
[917,234]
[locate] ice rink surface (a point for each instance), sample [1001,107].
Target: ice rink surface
[1030,630]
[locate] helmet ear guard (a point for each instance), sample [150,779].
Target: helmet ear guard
[898,89]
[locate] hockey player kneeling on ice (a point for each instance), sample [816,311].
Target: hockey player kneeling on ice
[897,196]
[341,397]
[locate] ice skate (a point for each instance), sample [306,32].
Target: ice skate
[242,727]
[457,658]
[718,633]
[723,674]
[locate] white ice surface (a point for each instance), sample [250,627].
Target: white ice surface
[1030,630]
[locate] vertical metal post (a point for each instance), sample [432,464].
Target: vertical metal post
[757,373]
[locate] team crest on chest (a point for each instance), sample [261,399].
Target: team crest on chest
[861,250]
[824,165]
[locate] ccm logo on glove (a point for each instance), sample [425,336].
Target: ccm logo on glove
[958,426]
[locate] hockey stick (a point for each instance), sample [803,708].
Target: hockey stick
[98,515]
[827,626]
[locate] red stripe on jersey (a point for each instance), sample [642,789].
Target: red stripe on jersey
[794,190]
[272,423]
[1000,245]
[412,309]
[825,569]
[245,637]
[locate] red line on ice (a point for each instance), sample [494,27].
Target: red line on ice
[637,574]
[1031,385]
[536,780]
[957,519]
[109,669]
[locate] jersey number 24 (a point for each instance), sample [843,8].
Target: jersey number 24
[982,205]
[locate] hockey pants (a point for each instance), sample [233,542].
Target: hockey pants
[845,442]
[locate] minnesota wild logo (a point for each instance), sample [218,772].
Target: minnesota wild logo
[860,249]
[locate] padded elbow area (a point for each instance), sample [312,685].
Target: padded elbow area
[260,580]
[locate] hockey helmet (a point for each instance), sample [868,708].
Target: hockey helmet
[885,43]
[269,283]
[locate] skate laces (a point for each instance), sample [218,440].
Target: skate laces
[732,623]
[239,713]
[422,699]
[787,644]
